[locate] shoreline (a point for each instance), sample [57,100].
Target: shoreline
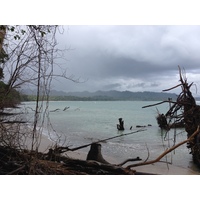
[45,143]
[157,168]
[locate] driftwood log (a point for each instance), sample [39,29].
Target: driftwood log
[14,161]
[19,161]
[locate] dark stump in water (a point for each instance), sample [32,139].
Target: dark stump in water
[120,126]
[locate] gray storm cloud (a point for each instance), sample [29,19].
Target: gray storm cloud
[131,57]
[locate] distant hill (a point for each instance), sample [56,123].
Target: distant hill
[126,95]
[108,95]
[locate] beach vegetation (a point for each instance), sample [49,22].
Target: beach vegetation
[27,57]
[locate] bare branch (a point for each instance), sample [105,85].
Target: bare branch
[172,87]
[167,151]
[158,104]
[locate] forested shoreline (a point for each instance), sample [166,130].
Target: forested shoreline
[104,96]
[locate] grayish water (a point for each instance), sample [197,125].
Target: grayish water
[87,121]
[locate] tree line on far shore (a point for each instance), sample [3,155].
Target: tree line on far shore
[102,96]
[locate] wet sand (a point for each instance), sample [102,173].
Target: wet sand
[164,169]
[157,168]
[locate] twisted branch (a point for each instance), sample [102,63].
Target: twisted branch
[165,152]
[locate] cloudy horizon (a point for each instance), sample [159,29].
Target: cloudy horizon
[129,57]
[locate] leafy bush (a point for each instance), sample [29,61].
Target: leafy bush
[8,98]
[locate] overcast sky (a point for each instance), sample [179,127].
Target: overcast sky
[132,57]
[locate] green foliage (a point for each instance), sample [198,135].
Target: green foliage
[17,37]
[8,98]
[1,73]
[3,56]
[23,31]
[28,38]
[12,28]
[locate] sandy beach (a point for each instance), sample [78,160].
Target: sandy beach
[157,168]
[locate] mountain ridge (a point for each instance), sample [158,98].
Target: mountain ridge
[109,95]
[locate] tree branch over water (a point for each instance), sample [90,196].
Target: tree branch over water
[165,152]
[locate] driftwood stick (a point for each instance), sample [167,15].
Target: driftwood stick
[14,122]
[172,87]
[54,110]
[95,167]
[16,170]
[158,104]
[165,152]
[183,83]
[103,140]
[180,74]
[129,160]
[190,85]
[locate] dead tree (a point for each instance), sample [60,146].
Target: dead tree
[190,114]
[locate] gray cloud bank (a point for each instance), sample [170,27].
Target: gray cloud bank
[135,58]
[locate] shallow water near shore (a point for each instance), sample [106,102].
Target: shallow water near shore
[83,122]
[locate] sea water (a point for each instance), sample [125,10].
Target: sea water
[76,123]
